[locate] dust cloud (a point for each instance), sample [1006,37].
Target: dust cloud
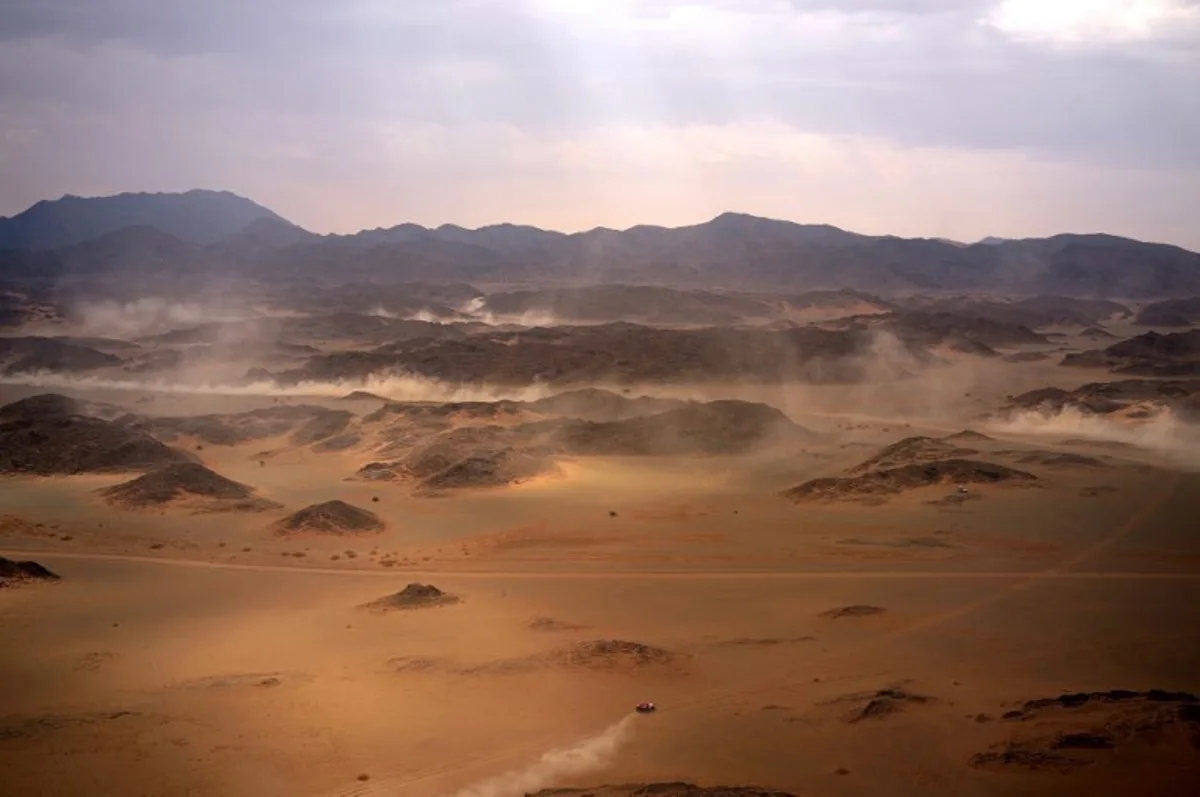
[149,316]
[397,387]
[589,755]
[1161,432]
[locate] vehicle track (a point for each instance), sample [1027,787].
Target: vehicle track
[682,575]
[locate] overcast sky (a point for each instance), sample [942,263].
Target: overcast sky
[954,118]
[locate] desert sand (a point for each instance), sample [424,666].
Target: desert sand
[922,621]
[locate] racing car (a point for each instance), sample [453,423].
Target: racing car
[644,708]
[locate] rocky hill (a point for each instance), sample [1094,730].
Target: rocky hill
[620,352]
[1175,354]
[1171,313]
[196,216]
[44,436]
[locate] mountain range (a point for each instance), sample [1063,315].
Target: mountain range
[197,216]
[180,239]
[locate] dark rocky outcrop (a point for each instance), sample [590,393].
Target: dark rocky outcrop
[331,517]
[14,572]
[43,436]
[877,483]
[413,596]
[185,480]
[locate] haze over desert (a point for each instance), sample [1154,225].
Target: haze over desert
[897,556]
[687,398]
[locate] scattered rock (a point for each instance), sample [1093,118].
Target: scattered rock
[551,624]
[856,610]
[955,499]
[881,703]
[1090,724]
[1055,459]
[609,654]
[414,664]
[675,789]
[1084,741]
[414,596]
[14,573]
[37,726]
[1025,758]
[764,641]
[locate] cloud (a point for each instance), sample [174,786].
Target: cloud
[1092,21]
[432,98]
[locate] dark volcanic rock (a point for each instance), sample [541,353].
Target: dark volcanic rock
[1090,725]
[1084,741]
[305,423]
[183,480]
[331,517]
[486,455]
[635,303]
[1077,699]
[41,406]
[856,610]
[1170,313]
[594,404]
[40,436]
[1025,758]
[1054,459]
[672,789]
[1101,398]
[322,426]
[496,454]
[970,333]
[911,451]
[907,477]
[622,353]
[413,596]
[717,427]
[34,354]
[880,703]
[968,436]
[610,654]
[13,573]
[1038,311]
[1174,354]
[492,469]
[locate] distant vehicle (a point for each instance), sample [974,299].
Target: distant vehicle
[645,708]
[963,490]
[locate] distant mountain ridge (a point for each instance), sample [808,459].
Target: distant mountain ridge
[240,239]
[197,216]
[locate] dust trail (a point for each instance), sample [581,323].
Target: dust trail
[397,387]
[1162,432]
[589,755]
[145,316]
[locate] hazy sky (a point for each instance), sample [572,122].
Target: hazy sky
[956,118]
